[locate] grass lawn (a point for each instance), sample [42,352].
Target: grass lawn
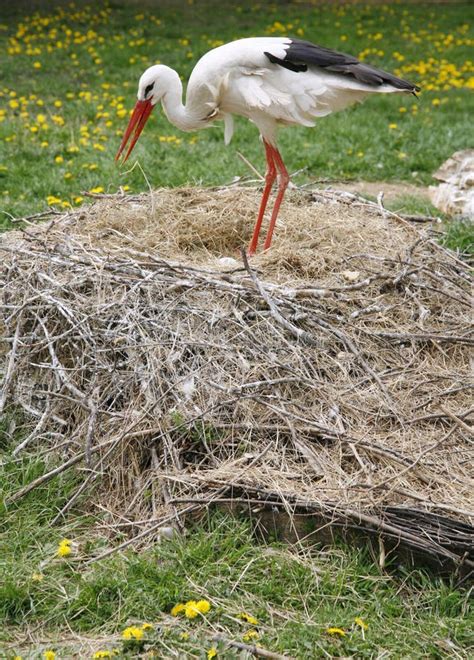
[328,603]
[70,71]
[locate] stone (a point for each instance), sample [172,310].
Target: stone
[455,195]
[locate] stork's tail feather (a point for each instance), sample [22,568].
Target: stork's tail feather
[301,54]
[372,76]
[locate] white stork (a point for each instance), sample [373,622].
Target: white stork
[273,81]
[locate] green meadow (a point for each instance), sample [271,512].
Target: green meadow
[302,602]
[70,73]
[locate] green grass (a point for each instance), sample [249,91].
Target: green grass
[97,53]
[460,236]
[295,594]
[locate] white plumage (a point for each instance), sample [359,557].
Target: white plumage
[273,82]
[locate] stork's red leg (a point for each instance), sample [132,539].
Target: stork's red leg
[283,180]
[270,177]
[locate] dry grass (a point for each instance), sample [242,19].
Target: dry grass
[332,374]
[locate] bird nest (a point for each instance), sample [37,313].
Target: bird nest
[322,386]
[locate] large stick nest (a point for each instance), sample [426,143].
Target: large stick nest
[330,376]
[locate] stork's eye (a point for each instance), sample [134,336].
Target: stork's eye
[148,89]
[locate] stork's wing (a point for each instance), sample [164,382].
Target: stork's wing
[301,54]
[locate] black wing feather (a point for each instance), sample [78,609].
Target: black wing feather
[301,54]
[291,66]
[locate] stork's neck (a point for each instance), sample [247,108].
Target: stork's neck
[177,113]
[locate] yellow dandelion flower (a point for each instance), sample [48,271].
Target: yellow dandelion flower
[177,609]
[44,144]
[361,623]
[50,200]
[203,606]
[250,635]
[147,626]
[97,190]
[248,618]
[184,636]
[78,199]
[191,610]
[36,65]
[336,631]
[59,160]
[68,175]
[211,653]
[393,126]
[64,546]
[132,632]
[103,654]
[58,104]
[49,655]
[17,657]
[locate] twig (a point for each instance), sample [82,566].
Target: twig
[82,488]
[457,420]
[39,481]
[300,334]
[144,533]
[44,419]
[91,423]
[416,336]
[257,651]
[10,365]
[416,461]
[250,166]
[37,216]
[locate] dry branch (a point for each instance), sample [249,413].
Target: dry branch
[257,651]
[130,340]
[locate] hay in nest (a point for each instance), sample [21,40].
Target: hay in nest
[327,379]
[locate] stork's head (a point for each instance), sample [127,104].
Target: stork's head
[151,89]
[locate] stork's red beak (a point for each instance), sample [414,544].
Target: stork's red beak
[137,121]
